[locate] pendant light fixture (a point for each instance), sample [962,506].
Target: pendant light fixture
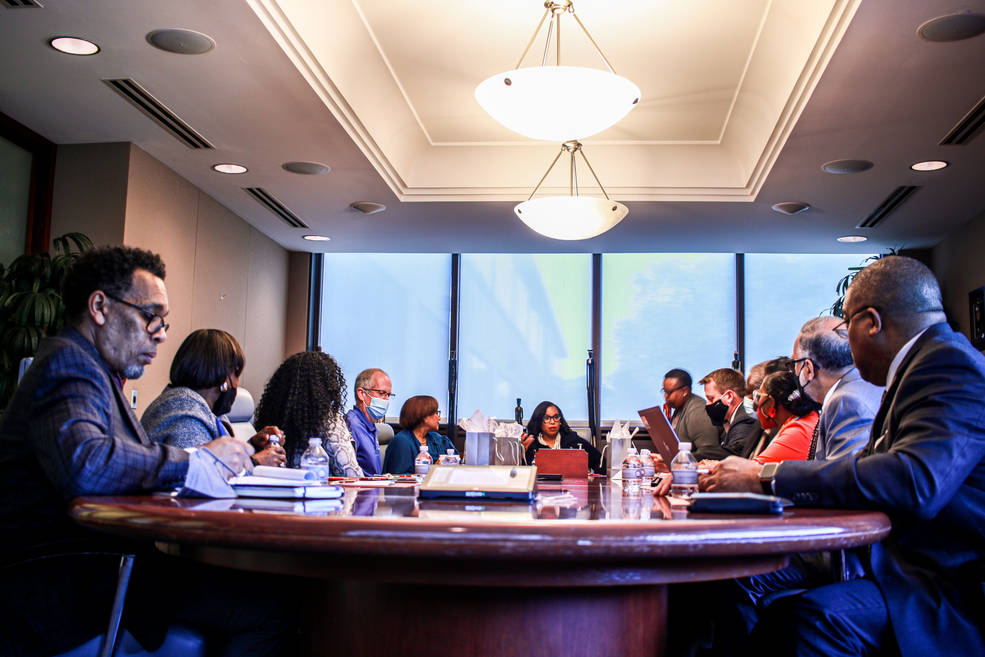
[557,103]
[571,217]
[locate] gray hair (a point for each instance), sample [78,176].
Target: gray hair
[365,378]
[826,348]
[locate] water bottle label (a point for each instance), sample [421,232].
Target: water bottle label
[421,468]
[685,477]
[631,472]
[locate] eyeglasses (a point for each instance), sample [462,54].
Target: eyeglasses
[155,322]
[552,418]
[437,412]
[382,393]
[792,365]
[668,393]
[757,397]
[842,329]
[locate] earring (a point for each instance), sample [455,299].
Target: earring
[224,387]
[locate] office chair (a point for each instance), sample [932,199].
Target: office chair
[240,416]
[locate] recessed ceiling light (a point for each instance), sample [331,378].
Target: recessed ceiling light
[846,166]
[852,238]
[790,207]
[73,45]
[929,165]
[317,238]
[953,27]
[182,42]
[306,168]
[229,168]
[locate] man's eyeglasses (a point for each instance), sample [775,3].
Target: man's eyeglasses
[792,365]
[382,393]
[668,393]
[552,418]
[842,329]
[155,322]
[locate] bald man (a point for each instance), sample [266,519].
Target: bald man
[921,590]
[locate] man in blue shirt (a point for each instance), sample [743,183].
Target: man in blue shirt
[373,394]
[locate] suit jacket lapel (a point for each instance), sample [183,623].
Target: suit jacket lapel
[127,414]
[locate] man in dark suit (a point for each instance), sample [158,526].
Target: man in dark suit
[689,419]
[69,431]
[822,360]
[923,465]
[725,390]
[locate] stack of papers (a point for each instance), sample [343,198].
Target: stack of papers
[290,483]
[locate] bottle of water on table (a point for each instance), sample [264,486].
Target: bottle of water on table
[315,460]
[423,461]
[632,472]
[451,458]
[684,468]
[647,459]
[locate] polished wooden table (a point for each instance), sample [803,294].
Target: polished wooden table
[582,572]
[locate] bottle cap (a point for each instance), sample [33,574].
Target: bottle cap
[450,452]
[314,441]
[685,447]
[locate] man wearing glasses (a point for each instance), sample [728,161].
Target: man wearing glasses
[921,591]
[373,393]
[689,419]
[69,431]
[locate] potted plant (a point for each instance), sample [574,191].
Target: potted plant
[838,307]
[31,304]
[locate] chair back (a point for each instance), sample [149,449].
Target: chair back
[384,434]
[240,416]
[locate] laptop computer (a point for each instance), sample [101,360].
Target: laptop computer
[663,435]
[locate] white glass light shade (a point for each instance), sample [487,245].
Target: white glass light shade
[570,217]
[557,103]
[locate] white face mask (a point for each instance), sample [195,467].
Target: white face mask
[377,407]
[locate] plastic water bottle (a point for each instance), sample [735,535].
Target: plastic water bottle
[315,459]
[632,472]
[451,458]
[647,464]
[684,468]
[423,461]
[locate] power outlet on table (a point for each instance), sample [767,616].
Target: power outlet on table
[133,399]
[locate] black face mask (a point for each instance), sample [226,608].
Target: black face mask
[224,403]
[717,412]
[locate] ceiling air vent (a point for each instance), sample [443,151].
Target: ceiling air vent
[266,200]
[21,4]
[966,127]
[892,202]
[156,110]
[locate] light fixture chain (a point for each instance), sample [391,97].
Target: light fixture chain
[544,177]
[594,175]
[597,49]
[558,19]
[534,38]
[547,44]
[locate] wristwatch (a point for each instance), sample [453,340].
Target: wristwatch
[767,478]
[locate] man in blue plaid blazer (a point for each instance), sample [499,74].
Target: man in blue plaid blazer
[69,431]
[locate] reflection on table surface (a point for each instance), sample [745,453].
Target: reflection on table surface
[577,499]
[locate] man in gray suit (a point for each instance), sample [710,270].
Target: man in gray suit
[689,419]
[823,361]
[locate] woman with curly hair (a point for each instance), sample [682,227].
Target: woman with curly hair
[305,398]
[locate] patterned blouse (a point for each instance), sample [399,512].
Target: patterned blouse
[338,444]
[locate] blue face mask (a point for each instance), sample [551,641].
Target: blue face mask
[377,408]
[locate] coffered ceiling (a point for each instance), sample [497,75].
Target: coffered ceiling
[742,102]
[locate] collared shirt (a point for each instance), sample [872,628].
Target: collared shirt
[900,355]
[367,446]
[831,391]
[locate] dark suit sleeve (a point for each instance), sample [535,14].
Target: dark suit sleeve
[937,437]
[704,436]
[81,442]
[741,435]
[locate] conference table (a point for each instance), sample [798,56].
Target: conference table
[583,571]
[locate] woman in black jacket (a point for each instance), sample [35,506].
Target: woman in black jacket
[548,429]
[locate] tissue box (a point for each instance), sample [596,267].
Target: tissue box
[480,448]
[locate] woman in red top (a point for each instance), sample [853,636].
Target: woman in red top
[780,402]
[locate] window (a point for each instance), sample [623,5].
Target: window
[524,332]
[15,187]
[389,311]
[785,290]
[661,311]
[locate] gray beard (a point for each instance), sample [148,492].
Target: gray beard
[133,371]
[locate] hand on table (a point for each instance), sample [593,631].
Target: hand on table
[734,474]
[235,454]
[274,456]
[663,486]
